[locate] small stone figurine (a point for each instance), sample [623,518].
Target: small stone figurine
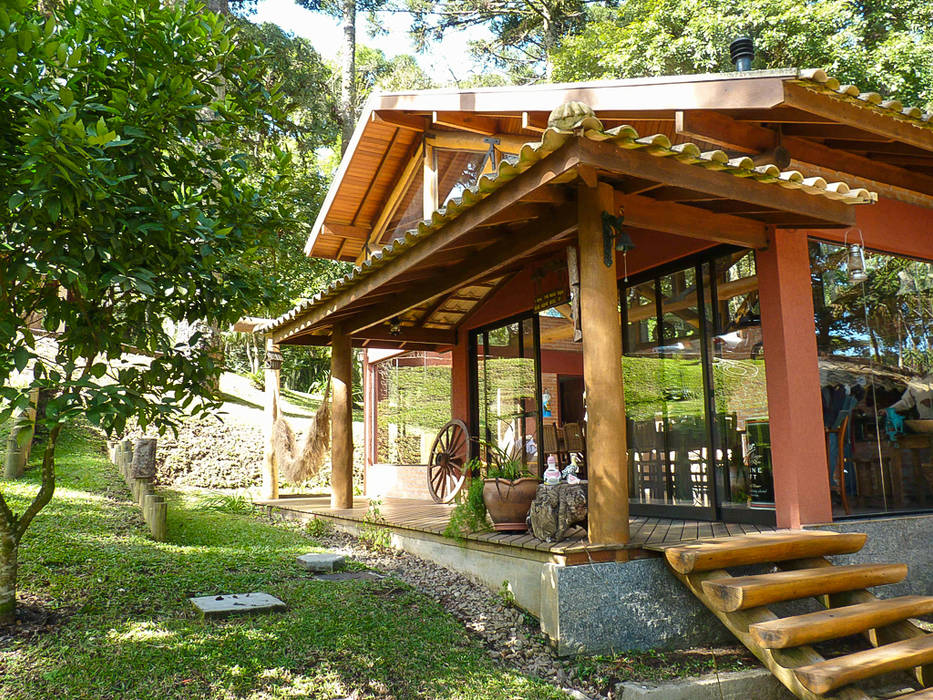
[571,470]
[552,473]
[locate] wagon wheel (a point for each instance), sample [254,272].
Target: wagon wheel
[448,455]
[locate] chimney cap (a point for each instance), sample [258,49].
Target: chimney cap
[742,51]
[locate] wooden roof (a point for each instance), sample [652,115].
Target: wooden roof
[824,128]
[427,282]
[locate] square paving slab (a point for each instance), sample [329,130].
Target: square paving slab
[236,604]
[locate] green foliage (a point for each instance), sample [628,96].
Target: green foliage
[130,204]
[882,46]
[506,595]
[236,503]
[376,73]
[469,513]
[130,632]
[318,527]
[524,33]
[373,531]
[503,464]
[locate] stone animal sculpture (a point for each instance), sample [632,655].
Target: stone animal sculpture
[556,509]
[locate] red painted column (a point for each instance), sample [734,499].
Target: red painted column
[798,443]
[460,378]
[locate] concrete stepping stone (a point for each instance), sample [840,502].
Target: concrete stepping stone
[236,604]
[321,563]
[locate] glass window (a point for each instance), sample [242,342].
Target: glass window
[413,399]
[507,390]
[875,360]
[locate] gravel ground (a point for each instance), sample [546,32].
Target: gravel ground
[510,636]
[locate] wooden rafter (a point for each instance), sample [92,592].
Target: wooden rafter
[606,156]
[813,158]
[407,176]
[865,118]
[400,120]
[467,122]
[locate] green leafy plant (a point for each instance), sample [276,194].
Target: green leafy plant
[506,595]
[373,532]
[469,515]
[504,464]
[318,527]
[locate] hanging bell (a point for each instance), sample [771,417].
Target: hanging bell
[856,263]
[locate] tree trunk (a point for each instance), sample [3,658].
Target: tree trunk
[7,574]
[221,7]
[348,74]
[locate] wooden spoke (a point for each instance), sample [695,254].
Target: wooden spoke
[445,463]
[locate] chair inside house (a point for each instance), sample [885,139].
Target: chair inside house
[550,443]
[836,434]
[575,442]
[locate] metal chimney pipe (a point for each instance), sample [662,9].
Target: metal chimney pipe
[742,51]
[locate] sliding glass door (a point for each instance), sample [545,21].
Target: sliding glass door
[696,402]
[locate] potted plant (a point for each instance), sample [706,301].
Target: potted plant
[508,490]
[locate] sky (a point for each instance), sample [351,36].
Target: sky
[446,61]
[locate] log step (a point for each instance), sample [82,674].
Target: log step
[838,622]
[825,676]
[743,592]
[757,549]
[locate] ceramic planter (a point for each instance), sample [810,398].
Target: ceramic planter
[508,502]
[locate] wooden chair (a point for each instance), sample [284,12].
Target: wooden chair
[574,441]
[550,443]
[837,433]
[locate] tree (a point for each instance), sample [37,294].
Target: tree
[525,33]
[128,208]
[346,11]
[887,47]
[376,72]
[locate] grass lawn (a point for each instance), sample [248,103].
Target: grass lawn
[129,631]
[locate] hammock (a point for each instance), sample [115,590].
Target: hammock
[306,464]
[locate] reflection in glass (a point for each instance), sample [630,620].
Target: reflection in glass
[507,387]
[413,395]
[875,359]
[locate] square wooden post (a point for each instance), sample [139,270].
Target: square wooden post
[341,376]
[270,468]
[607,462]
[795,409]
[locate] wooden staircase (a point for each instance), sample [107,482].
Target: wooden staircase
[782,643]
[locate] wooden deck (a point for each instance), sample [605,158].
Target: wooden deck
[648,535]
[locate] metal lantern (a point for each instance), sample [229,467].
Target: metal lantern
[395,326]
[855,263]
[273,359]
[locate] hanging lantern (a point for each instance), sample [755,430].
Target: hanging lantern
[855,263]
[273,359]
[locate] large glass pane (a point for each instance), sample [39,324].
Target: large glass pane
[668,435]
[507,387]
[740,395]
[413,395]
[875,360]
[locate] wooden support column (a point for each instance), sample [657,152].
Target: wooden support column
[602,373]
[798,442]
[430,181]
[341,376]
[270,467]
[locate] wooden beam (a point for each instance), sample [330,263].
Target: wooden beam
[482,265]
[475,143]
[534,121]
[270,468]
[814,158]
[429,190]
[537,176]
[346,230]
[464,121]
[683,220]
[865,118]
[410,122]
[424,336]
[606,457]
[638,163]
[341,373]
[724,131]
[404,181]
